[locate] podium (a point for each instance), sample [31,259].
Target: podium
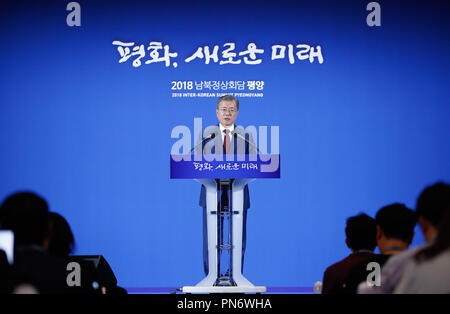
[224,215]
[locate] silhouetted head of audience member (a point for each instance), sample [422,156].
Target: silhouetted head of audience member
[26,214]
[431,206]
[61,241]
[395,228]
[441,243]
[361,233]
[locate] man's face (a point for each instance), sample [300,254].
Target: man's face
[227,113]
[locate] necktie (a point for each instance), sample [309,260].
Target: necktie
[226,141]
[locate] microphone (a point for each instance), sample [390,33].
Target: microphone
[235,133]
[213,135]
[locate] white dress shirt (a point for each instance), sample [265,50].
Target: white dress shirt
[222,128]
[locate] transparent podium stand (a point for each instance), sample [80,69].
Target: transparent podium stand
[224,184]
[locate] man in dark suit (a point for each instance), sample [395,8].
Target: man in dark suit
[226,143]
[361,233]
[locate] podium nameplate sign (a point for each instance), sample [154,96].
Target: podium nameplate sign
[242,166]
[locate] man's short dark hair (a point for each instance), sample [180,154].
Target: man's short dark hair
[228,98]
[26,214]
[361,232]
[397,221]
[433,202]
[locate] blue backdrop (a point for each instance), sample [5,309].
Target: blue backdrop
[366,128]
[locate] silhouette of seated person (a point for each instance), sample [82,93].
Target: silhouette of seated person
[360,234]
[26,214]
[428,271]
[395,232]
[61,242]
[431,205]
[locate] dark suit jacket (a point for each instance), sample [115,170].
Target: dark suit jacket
[358,273]
[335,276]
[234,150]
